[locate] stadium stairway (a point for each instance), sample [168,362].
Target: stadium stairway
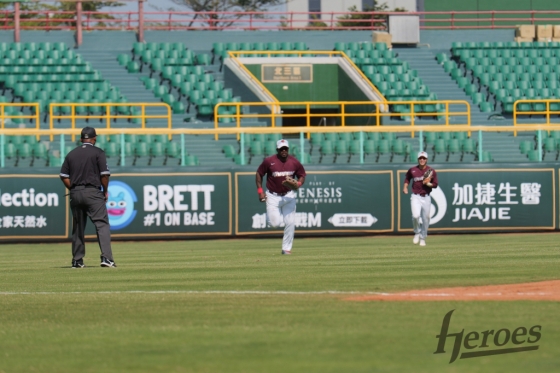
[129,84]
[440,83]
[503,146]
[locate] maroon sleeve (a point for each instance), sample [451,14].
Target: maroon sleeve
[263,169]
[408,176]
[300,171]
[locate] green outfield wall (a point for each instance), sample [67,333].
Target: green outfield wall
[173,204]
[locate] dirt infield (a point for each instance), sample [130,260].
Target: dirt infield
[538,291]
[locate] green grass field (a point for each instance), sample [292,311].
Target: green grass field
[240,306]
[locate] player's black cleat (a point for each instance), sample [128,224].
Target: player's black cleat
[107,262]
[286,252]
[78,264]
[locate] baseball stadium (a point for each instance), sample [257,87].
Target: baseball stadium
[189,99]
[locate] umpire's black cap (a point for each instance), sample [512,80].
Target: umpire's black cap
[88,133]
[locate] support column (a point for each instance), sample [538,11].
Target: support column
[141,21]
[16,23]
[79,33]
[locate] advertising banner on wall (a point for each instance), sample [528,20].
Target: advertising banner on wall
[487,199]
[328,202]
[169,205]
[33,207]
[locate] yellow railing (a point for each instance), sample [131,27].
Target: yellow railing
[109,111]
[307,53]
[34,108]
[237,112]
[283,130]
[546,112]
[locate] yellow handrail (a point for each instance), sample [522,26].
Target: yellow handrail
[284,130]
[298,53]
[108,113]
[547,112]
[35,109]
[343,114]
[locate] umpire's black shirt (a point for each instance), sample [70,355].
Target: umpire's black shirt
[84,166]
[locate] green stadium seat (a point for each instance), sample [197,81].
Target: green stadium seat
[156,150]
[526,146]
[286,46]
[441,58]
[24,150]
[300,46]
[191,160]
[486,107]
[533,155]
[203,59]
[137,49]
[327,149]
[440,147]
[133,67]
[232,47]
[550,146]
[229,151]
[256,149]
[141,150]
[172,150]
[339,46]
[397,147]
[123,59]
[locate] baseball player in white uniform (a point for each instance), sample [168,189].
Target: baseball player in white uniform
[280,200]
[420,200]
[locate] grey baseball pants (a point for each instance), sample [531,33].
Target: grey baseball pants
[420,207]
[90,202]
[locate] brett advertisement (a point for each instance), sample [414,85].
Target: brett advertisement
[170,205]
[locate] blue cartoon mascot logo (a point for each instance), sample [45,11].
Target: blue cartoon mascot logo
[120,205]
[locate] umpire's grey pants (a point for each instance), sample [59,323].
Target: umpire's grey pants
[89,202]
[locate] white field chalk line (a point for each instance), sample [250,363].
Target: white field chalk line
[234,292]
[279,292]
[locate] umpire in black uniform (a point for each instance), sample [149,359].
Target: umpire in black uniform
[84,172]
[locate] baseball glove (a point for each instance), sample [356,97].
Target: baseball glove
[290,183]
[428,174]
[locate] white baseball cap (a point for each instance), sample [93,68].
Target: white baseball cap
[422,154]
[282,143]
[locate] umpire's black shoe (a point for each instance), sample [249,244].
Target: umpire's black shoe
[107,262]
[78,264]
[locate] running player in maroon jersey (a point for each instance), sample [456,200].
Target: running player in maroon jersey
[420,200]
[280,201]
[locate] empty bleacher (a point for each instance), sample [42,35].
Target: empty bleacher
[111,67]
[497,74]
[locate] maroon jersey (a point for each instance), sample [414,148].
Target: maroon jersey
[276,172]
[417,175]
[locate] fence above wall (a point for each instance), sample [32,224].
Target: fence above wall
[139,20]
